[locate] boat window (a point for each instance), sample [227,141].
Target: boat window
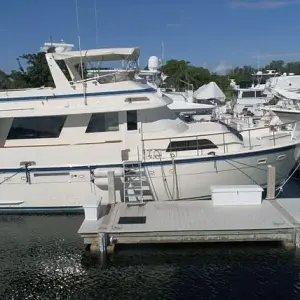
[136,99]
[131,120]
[248,94]
[103,122]
[260,94]
[36,127]
[191,145]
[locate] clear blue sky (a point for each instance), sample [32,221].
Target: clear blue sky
[201,31]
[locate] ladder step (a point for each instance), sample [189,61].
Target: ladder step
[135,182]
[137,203]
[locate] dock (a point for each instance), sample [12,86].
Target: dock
[234,214]
[194,221]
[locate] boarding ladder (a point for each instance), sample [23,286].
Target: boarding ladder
[133,182]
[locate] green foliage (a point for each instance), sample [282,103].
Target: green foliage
[181,71]
[37,73]
[246,73]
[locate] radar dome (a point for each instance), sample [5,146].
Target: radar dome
[153,63]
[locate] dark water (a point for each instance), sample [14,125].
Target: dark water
[41,258]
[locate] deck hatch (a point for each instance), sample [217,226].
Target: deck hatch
[132,220]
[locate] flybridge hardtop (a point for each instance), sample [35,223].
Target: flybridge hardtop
[84,95]
[109,54]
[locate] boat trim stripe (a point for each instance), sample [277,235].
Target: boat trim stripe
[42,209]
[154,163]
[56,97]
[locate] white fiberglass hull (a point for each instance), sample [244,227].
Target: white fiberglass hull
[65,189]
[287,116]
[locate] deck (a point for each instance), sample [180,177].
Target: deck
[195,221]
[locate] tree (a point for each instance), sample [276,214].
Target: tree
[181,72]
[277,65]
[38,72]
[240,74]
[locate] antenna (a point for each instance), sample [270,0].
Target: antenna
[96,21]
[79,46]
[51,41]
[162,53]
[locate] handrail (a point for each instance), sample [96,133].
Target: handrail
[217,133]
[250,144]
[117,72]
[96,77]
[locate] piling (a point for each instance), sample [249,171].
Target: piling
[271,183]
[111,187]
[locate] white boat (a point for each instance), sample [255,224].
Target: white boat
[251,99]
[58,144]
[287,107]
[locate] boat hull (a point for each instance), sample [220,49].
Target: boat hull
[170,179]
[287,116]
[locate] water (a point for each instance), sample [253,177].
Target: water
[41,258]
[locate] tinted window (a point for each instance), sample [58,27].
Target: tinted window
[36,127]
[103,122]
[131,120]
[191,145]
[260,94]
[248,94]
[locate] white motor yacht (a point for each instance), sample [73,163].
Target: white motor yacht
[58,145]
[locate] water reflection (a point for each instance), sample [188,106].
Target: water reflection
[41,258]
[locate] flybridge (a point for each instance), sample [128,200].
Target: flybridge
[75,58]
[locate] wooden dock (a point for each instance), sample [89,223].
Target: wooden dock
[235,214]
[193,221]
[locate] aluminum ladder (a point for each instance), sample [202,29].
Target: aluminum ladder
[133,182]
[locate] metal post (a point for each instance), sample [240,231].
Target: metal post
[271,183]
[111,187]
[103,248]
[249,134]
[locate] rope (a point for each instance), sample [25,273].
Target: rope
[280,188]
[164,177]
[13,175]
[242,172]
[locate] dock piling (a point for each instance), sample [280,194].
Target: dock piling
[271,183]
[111,187]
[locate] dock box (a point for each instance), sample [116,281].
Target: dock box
[92,209]
[236,194]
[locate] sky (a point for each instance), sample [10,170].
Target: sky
[216,34]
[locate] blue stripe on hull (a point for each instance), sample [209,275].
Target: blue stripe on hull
[42,210]
[55,97]
[156,163]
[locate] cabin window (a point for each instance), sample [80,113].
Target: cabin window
[103,122]
[136,99]
[191,145]
[248,94]
[132,120]
[260,94]
[36,127]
